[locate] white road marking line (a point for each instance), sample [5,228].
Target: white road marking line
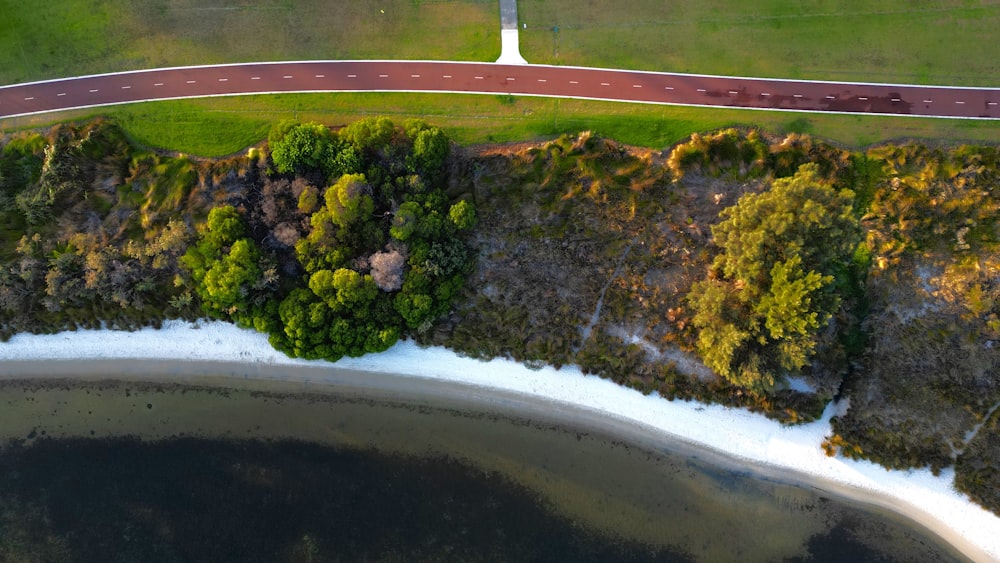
[254,78]
[478,77]
[668,87]
[605,84]
[126,87]
[896,100]
[191,81]
[991,103]
[446,76]
[414,76]
[320,76]
[61,94]
[863,99]
[352,75]
[29,99]
[158,84]
[637,85]
[701,90]
[287,76]
[223,80]
[509,78]
[94,90]
[959,102]
[796,95]
[573,82]
[383,76]
[733,92]
[928,101]
[831,97]
[542,80]
[765,93]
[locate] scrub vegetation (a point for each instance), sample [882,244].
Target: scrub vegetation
[767,271]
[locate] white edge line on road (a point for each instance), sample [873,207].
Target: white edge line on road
[495,64]
[645,102]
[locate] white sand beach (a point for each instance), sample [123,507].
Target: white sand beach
[792,451]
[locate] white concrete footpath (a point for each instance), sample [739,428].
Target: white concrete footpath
[510,51]
[928,499]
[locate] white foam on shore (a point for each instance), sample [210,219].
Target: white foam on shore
[929,499]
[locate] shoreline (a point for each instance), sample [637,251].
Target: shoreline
[729,437]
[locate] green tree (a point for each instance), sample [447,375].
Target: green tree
[304,146]
[228,282]
[430,151]
[368,133]
[773,289]
[463,215]
[349,200]
[405,221]
[230,275]
[344,290]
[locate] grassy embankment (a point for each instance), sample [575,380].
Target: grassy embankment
[123,36]
[221,126]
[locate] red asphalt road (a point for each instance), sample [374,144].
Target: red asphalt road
[491,78]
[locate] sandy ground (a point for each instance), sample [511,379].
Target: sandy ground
[791,453]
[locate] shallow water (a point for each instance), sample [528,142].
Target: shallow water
[283,471]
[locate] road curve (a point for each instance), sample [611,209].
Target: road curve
[493,78]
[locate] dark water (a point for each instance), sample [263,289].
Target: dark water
[128,471]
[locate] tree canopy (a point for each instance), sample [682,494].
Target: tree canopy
[772,286]
[382,252]
[230,274]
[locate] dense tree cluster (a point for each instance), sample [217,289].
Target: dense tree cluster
[376,247]
[772,288]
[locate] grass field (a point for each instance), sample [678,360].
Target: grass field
[907,41]
[40,40]
[927,42]
[220,126]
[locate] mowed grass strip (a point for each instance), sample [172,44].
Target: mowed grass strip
[40,40]
[219,126]
[902,41]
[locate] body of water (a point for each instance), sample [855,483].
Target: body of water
[221,470]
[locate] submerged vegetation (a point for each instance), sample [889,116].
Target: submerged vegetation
[762,271]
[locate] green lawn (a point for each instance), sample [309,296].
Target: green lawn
[919,41]
[903,40]
[40,40]
[220,126]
